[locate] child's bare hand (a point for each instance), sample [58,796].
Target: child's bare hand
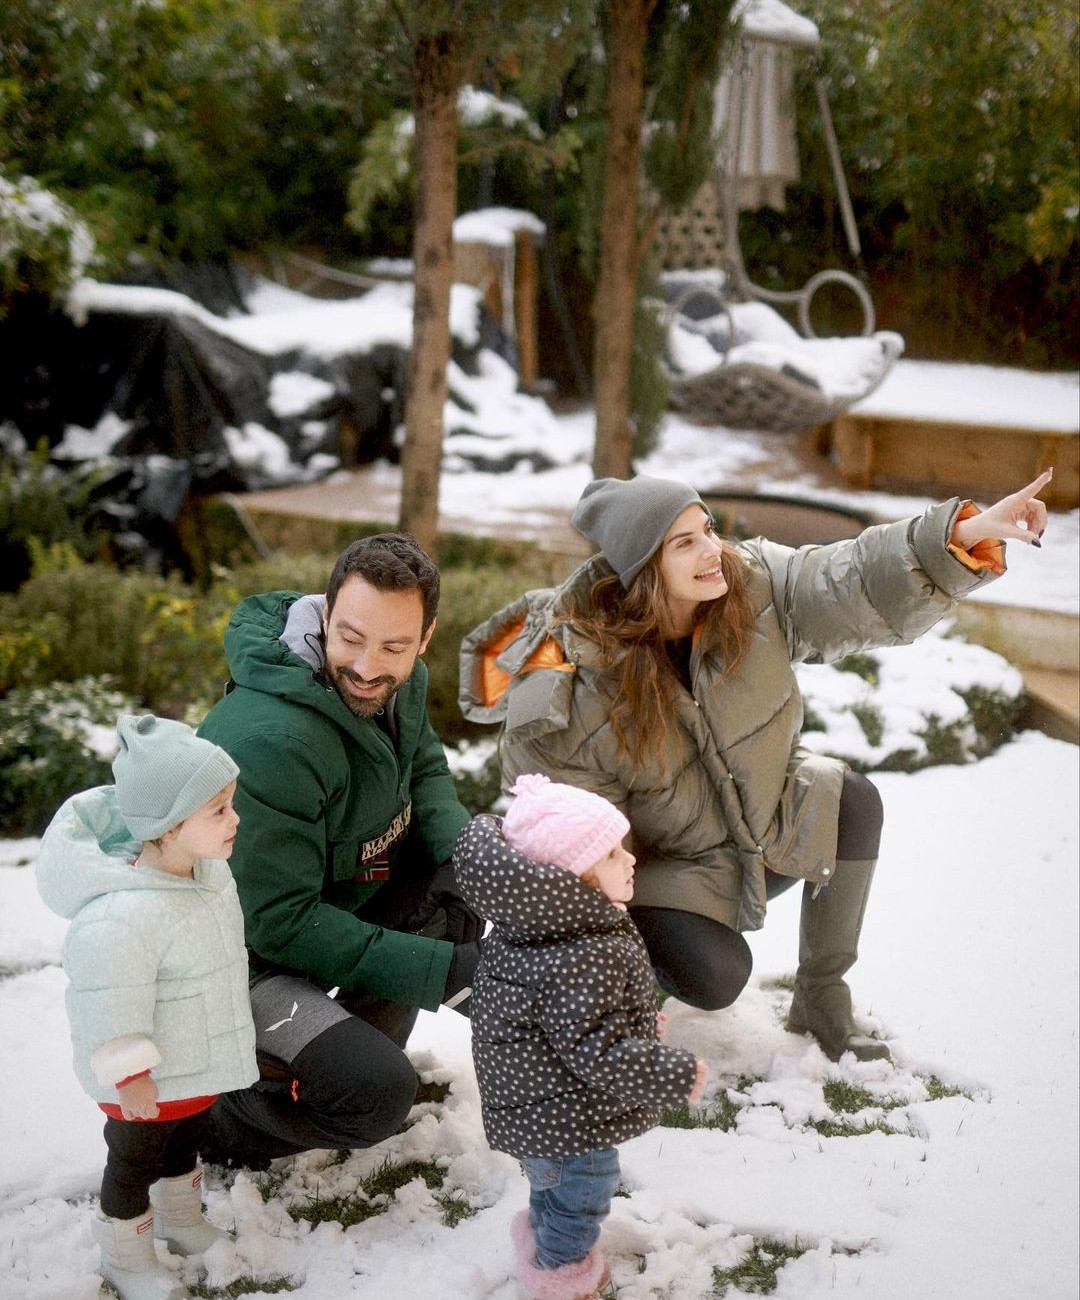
[661,1023]
[701,1073]
[138,1099]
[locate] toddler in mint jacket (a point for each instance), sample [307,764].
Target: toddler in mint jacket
[157,994]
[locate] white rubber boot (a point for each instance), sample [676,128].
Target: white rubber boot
[129,1261]
[178,1214]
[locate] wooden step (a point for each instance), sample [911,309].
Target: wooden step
[946,457]
[1053,703]
[1045,645]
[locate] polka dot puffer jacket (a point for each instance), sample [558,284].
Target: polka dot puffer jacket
[563,1012]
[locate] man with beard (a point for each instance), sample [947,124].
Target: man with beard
[348,817]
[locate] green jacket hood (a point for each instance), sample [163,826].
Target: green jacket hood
[273,645]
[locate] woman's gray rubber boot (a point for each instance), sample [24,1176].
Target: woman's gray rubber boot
[829,928]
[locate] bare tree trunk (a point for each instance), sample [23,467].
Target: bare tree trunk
[435,92]
[615,301]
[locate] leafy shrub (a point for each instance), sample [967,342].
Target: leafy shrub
[54,740]
[94,617]
[40,508]
[160,640]
[26,650]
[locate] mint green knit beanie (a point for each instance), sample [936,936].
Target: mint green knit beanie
[165,772]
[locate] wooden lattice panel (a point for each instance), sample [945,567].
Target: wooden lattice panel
[692,239]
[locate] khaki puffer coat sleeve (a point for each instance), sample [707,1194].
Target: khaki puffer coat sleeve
[887,586]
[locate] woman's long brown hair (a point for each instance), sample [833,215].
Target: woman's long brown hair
[628,627]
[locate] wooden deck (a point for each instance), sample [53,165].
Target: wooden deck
[942,428]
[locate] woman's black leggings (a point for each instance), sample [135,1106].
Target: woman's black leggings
[707,964]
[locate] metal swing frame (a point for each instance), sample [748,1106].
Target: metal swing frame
[744,395]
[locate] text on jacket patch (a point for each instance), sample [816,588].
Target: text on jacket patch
[378,848]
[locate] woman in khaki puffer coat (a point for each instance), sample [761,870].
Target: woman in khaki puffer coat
[660,676]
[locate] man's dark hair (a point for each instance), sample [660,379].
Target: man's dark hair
[389,562]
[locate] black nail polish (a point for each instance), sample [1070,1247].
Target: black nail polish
[1036,542]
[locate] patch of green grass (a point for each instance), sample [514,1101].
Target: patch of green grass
[721,1113]
[346,1210]
[454,1208]
[242,1286]
[848,1098]
[756,1275]
[844,1128]
[385,1180]
[785,983]
[939,1091]
[371,1197]
[271,1182]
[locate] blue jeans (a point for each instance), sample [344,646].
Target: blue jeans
[569,1200]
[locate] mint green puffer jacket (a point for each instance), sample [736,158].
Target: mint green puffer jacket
[156,965]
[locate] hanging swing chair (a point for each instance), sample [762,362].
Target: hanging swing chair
[735,361]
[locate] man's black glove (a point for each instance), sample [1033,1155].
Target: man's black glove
[459,977]
[443,913]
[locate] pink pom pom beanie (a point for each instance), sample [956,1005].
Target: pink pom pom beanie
[561,824]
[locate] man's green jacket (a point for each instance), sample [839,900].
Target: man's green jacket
[333,810]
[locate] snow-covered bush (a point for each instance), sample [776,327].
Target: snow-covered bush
[54,740]
[44,247]
[940,700]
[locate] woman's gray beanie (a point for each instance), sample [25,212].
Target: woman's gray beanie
[165,772]
[627,518]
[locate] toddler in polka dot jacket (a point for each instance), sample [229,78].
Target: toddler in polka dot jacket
[564,1023]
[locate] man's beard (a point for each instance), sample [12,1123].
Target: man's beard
[362,708]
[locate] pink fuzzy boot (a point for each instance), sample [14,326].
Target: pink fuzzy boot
[582,1280]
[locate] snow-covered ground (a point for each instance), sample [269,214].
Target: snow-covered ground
[969,968]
